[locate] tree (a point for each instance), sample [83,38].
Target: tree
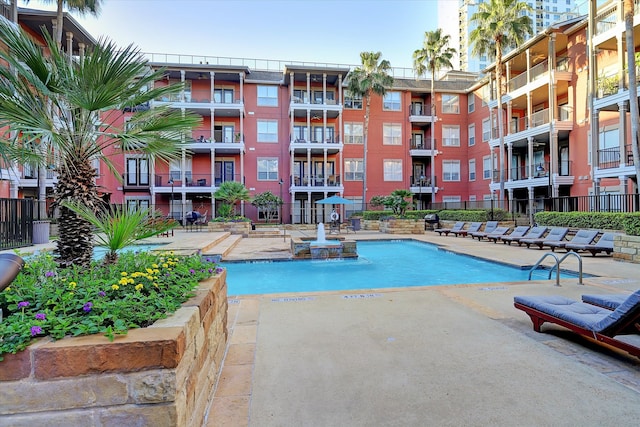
[398,201]
[500,25]
[267,203]
[232,192]
[434,56]
[633,86]
[67,110]
[371,78]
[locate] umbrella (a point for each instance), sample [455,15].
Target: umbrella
[335,200]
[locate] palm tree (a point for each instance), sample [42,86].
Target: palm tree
[372,77]
[71,110]
[434,56]
[232,192]
[500,25]
[633,87]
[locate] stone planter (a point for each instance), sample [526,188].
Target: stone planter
[163,375]
[242,228]
[626,248]
[402,226]
[371,224]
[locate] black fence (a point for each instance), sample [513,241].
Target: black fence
[16,223]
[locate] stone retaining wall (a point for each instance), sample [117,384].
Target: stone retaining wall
[402,226]
[163,375]
[243,227]
[626,248]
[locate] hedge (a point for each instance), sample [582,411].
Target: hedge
[628,222]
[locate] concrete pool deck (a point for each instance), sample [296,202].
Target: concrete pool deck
[458,355]
[447,355]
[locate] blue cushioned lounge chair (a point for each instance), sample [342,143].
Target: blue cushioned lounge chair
[473,228]
[535,233]
[519,231]
[608,301]
[456,227]
[590,321]
[556,234]
[604,244]
[582,237]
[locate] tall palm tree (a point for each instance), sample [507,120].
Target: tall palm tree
[633,86]
[500,25]
[434,55]
[71,110]
[370,78]
[232,192]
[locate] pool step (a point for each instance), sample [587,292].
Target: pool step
[265,232]
[223,247]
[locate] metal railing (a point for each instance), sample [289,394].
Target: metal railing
[609,158]
[16,222]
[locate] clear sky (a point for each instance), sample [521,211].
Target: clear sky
[330,31]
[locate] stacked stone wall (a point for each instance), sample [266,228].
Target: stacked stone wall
[163,375]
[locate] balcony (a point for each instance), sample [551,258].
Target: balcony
[421,148]
[609,158]
[193,183]
[316,183]
[301,145]
[421,114]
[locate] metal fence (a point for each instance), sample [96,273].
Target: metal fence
[16,223]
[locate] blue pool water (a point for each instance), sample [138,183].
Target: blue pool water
[100,251]
[380,265]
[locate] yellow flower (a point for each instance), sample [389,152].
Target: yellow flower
[165,265]
[156,285]
[72,285]
[8,289]
[149,270]
[123,281]
[124,273]
[156,271]
[154,265]
[139,286]
[115,287]
[130,281]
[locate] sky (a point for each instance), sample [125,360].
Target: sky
[326,31]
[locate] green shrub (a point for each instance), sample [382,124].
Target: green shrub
[631,223]
[375,215]
[478,215]
[595,220]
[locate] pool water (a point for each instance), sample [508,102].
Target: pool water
[381,264]
[100,251]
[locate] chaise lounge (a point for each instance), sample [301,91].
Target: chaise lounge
[582,237]
[535,233]
[473,228]
[499,231]
[604,244]
[456,227]
[517,232]
[488,228]
[590,321]
[608,301]
[556,234]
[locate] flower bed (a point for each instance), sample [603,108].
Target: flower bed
[161,375]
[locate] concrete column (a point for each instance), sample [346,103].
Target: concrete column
[530,165]
[509,162]
[81,50]
[623,133]
[212,77]
[183,74]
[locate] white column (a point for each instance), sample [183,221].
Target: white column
[81,49]
[510,163]
[183,74]
[623,133]
[69,45]
[211,92]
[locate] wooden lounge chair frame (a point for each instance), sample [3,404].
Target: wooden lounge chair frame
[627,315]
[604,244]
[456,227]
[474,227]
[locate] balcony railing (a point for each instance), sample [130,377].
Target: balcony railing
[606,21]
[192,180]
[423,181]
[316,181]
[424,144]
[609,158]
[329,140]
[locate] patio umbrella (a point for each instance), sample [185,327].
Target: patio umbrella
[335,200]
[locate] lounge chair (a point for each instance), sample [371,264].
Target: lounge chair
[474,227]
[534,233]
[517,232]
[582,237]
[592,322]
[608,301]
[456,227]
[604,244]
[488,228]
[556,234]
[499,231]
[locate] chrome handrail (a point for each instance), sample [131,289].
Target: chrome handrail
[557,266]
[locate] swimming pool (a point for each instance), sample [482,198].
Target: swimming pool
[381,264]
[100,251]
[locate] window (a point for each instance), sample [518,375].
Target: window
[486,130]
[353,169]
[391,101]
[352,101]
[451,170]
[353,133]
[472,170]
[451,199]
[451,136]
[300,133]
[392,170]
[472,102]
[267,169]
[450,104]
[486,167]
[223,96]
[472,135]
[135,203]
[391,134]
[137,171]
[175,170]
[267,131]
[268,96]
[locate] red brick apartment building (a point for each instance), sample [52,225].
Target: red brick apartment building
[294,129]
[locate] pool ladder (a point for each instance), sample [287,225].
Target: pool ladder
[557,266]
